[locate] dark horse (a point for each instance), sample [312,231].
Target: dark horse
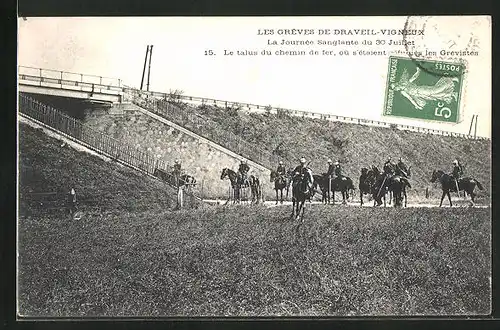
[448,184]
[280,183]
[397,185]
[252,182]
[380,188]
[394,184]
[302,190]
[342,184]
[182,180]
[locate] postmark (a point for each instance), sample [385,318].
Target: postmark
[450,40]
[432,94]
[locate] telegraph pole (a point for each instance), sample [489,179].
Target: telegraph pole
[471,122]
[144,68]
[149,68]
[475,127]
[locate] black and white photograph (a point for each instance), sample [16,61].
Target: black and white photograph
[319,166]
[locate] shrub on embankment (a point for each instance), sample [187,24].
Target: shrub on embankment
[46,165]
[252,261]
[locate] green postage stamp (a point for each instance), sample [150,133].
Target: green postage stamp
[423,89]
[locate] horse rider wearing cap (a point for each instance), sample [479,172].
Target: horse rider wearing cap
[331,168]
[281,170]
[389,167]
[300,169]
[243,170]
[401,168]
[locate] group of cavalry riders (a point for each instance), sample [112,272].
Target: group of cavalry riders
[390,169]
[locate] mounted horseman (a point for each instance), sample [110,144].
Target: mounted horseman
[298,174]
[367,181]
[337,172]
[341,183]
[382,185]
[281,170]
[457,173]
[243,173]
[401,169]
[329,177]
[280,179]
[302,188]
[400,182]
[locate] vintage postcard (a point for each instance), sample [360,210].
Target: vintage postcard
[254,166]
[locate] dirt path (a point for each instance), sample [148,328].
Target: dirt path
[457,204]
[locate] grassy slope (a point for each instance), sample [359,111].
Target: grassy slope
[250,261]
[45,166]
[354,145]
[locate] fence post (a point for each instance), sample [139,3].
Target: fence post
[201,192]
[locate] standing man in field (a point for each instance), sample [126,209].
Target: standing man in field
[72,202]
[177,171]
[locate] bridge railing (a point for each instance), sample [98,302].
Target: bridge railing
[309,114]
[94,139]
[114,84]
[69,76]
[206,128]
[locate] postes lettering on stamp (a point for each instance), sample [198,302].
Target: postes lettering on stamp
[446,39]
[412,92]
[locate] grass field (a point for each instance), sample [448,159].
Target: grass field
[133,256]
[243,261]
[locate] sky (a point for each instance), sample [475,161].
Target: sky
[342,85]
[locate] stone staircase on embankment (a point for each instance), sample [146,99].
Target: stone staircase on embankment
[96,141]
[137,123]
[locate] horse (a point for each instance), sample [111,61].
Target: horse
[172,178]
[397,185]
[187,180]
[280,183]
[407,184]
[448,184]
[321,182]
[379,189]
[253,182]
[342,184]
[302,190]
[255,188]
